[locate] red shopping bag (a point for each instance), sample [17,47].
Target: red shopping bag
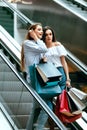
[63,103]
[63,111]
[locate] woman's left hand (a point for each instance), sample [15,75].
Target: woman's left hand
[68,84]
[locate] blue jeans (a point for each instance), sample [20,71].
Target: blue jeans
[62,82]
[43,116]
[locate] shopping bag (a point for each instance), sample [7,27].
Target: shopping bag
[67,106]
[44,92]
[47,73]
[80,105]
[68,119]
[72,106]
[65,118]
[63,102]
[80,94]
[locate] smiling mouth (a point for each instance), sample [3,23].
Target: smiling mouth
[40,34]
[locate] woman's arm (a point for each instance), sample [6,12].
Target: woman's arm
[36,44]
[65,66]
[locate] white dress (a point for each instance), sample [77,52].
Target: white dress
[54,53]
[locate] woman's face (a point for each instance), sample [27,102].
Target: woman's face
[39,31]
[48,36]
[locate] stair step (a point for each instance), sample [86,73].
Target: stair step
[9,23]
[21,119]
[16,97]
[11,86]
[19,108]
[47,128]
[8,76]
[5,16]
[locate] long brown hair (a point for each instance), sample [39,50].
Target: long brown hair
[27,37]
[44,33]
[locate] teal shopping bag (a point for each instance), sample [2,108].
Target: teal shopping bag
[50,91]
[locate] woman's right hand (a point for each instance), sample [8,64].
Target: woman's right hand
[33,35]
[43,60]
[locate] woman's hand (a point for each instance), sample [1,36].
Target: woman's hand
[33,35]
[43,60]
[68,83]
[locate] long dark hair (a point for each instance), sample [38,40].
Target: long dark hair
[44,33]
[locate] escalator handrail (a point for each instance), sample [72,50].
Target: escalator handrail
[10,45]
[19,14]
[33,93]
[63,4]
[84,3]
[77,62]
[9,38]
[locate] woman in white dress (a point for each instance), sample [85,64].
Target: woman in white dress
[56,54]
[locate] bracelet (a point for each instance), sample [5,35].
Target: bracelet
[68,80]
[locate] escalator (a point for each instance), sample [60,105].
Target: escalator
[14,96]
[20,103]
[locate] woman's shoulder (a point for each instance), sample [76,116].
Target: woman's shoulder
[57,43]
[26,40]
[60,48]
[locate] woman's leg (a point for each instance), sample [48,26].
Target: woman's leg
[32,114]
[43,116]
